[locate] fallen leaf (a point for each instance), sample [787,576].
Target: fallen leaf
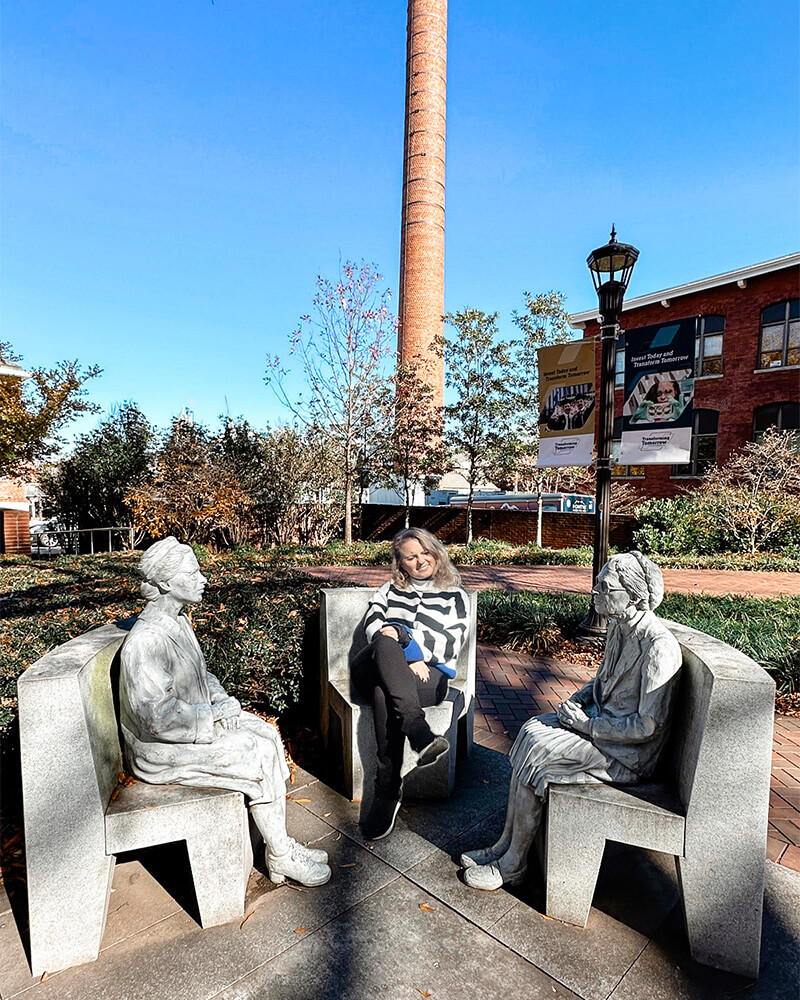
[44,976]
[485,781]
[325,815]
[426,908]
[115,794]
[423,992]
[350,864]
[301,800]
[300,930]
[247,917]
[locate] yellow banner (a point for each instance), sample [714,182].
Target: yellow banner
[566,403]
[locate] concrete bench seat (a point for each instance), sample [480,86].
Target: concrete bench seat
[346,720]
[710,810]
[78,817]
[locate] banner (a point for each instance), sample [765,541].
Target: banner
[566,403]
[659,394]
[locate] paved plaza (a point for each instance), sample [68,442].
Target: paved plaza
[397,922]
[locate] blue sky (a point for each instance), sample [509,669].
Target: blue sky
[175,173]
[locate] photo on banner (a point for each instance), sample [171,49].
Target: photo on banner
[566,403]
[659,394]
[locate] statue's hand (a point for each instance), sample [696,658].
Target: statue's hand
[226,708]
[571,715]
[232,722]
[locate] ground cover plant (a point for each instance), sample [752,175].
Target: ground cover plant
[253,623]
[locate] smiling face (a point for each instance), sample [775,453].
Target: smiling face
[415,560]
[610,597]
[188,584]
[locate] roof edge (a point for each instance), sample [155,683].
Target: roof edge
[579,320]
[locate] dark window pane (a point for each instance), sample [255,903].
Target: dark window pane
[682,470]
[774,314]
[705,421]
[707,448]
[712,324]
[764,416]
[790,417]
[616,433]
[794,309]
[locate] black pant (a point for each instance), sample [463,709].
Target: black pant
[382,676]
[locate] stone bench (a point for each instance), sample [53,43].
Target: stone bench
[78,817]
[346,720]
[710,810]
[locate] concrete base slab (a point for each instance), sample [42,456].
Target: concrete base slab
[388,946]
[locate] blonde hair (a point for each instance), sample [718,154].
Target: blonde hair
[445,574]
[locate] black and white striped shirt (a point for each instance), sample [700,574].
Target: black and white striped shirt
[437,619]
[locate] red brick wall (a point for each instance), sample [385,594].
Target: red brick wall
[15,532]
[379,522]
[741,388]
[421,298]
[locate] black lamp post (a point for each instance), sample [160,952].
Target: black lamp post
[611,267]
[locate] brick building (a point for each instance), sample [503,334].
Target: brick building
[747,362]
[15,530]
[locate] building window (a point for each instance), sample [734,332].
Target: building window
[780,335]
[704,444]
[619,363]
[708,345]
[622,471]
[783,416]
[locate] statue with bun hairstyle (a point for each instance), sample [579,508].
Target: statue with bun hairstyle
[613,729]
[181,726]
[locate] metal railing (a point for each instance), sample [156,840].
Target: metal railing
[67,540]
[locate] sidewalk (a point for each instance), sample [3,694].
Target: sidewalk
[397,923]
[578,579]
[512,686]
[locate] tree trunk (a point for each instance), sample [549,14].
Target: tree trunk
[348,509]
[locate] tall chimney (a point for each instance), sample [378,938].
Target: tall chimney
[421,298]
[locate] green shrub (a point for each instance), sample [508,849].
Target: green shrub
[527,620]
[672,527]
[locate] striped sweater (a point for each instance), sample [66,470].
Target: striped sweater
[437,619]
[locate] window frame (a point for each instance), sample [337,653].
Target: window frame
[782,405]
[679,471]
[701,336]
[790,306]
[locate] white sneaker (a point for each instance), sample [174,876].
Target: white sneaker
[312,853]
[483,856]
[297,865]
[490,877]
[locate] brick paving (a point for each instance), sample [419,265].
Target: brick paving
[512,686]
[578,579]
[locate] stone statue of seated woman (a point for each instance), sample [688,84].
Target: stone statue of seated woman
[181,726]
[613,729]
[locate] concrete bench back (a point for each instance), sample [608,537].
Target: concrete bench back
[710,810]
[71,759]
[719,752]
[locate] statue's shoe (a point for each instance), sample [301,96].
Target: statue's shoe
[483,856]
[312,853]
[295,864]
[490,877]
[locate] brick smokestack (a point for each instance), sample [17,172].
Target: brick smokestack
[421,299]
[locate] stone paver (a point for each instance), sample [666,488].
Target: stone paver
[513,686]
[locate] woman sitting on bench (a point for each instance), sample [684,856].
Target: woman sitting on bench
[613,729]
[416,625]
[181,726]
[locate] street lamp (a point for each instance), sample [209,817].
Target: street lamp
[611,267]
